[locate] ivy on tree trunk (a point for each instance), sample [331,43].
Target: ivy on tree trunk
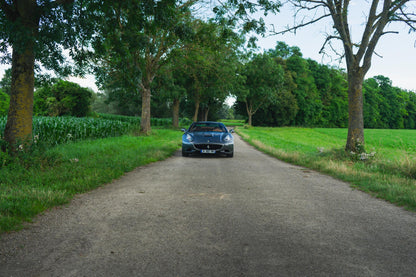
[175,113]
[19,120]
[145,120]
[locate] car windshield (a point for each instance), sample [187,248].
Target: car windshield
[207,127]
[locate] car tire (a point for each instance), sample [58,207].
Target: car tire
[184,154]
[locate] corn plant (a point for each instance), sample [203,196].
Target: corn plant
[58,130]
[130,119]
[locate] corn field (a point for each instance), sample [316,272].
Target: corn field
[59,130]
[153,121]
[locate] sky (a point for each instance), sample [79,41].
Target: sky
[395,59]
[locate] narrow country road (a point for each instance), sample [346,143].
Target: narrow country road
[251,215]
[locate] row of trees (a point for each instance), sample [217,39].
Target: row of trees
[388,107]
[284,89]
[131,42]
[202,70]
[276,88]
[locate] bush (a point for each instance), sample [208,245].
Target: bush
[185,122]
[62,99]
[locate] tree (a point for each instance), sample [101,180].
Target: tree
[171,89]
[280,113]
[208,65]
[410,116]
[36,31]
[137,39]
[395,106]
[215,47]
[309,103]
[332,88]
[358,56]
[386,106]
[264,79]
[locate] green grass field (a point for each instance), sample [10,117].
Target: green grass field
[54,177]
[390,174]
[232,122]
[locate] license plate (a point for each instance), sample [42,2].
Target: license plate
[207,151]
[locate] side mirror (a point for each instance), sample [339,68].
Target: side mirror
[183,130]
[232,131]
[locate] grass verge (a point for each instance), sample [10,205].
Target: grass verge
[233,122]
[389,172]
[54,177]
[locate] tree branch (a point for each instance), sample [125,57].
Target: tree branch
[327,40]
[298,26]
[384,19]
[369,29]
[339,17]
[408,18]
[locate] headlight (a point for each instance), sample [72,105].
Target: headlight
[227,138]
[189,137]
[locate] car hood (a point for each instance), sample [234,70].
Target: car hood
[205,137]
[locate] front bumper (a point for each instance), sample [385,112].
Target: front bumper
[211,148]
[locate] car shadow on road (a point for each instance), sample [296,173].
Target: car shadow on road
[202,156]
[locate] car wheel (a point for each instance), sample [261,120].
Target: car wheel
[184,154]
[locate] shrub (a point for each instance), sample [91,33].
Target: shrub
[62,99]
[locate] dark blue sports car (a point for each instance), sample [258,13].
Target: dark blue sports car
[207,137]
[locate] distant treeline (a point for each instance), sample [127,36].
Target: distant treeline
[316,95]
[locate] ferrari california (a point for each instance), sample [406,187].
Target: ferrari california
[207,137]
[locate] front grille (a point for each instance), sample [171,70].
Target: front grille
[208,146]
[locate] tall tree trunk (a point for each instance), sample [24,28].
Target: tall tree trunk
[249,113]
[19,120]
[195,118]
[18,128]
[175,116]
[206,112]
[355,139]
[145,120]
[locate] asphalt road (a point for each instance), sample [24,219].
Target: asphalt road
[250,215]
